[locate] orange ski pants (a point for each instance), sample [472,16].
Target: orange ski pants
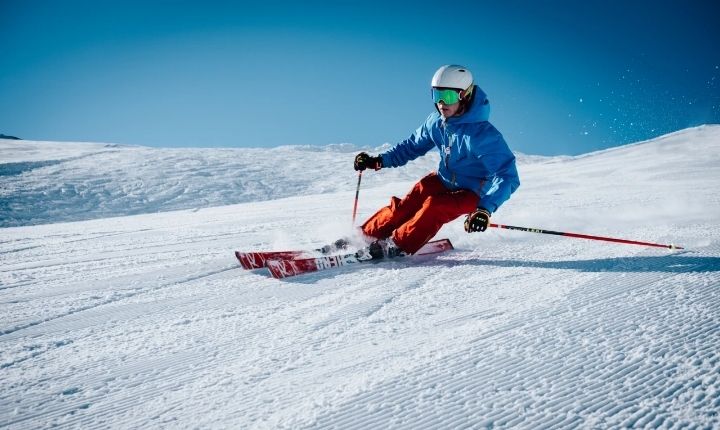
[414,220]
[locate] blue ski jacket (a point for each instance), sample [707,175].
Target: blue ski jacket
[473,154]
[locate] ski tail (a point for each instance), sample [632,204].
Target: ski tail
[435,247]
[282,268]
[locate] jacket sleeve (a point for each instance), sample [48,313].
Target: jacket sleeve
[418,144]
[498,188]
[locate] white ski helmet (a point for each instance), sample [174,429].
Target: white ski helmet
[452,76]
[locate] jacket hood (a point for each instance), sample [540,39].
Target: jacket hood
[479,110]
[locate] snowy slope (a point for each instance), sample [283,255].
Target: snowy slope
[46,182]
[147,321]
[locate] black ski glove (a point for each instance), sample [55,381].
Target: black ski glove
[477,221]
[364,161]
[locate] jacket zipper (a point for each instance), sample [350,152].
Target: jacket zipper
[448,148]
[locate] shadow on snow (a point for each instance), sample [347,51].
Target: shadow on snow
[669,264]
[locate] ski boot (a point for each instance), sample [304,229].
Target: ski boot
[338,245]
[379,249]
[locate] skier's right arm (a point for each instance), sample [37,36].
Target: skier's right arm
[419,143]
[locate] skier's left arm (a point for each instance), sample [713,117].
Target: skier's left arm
[495,191]
[505,180]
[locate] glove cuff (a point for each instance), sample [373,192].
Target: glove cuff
[485,211]
[378,163]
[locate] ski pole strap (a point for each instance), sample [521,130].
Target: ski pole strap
[584,236]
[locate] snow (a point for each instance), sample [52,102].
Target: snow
[123,307]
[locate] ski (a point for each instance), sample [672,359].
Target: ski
[259,259]
[285,267]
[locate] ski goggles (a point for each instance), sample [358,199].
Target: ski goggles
[447,96]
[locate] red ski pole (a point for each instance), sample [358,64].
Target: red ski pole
[357,194]
[584,236]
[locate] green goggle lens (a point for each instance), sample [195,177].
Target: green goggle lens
[449,97]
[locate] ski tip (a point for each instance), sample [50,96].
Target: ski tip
[238,255]
[249,261]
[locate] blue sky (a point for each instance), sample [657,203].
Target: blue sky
[563,77]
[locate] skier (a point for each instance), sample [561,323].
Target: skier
[476,174]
